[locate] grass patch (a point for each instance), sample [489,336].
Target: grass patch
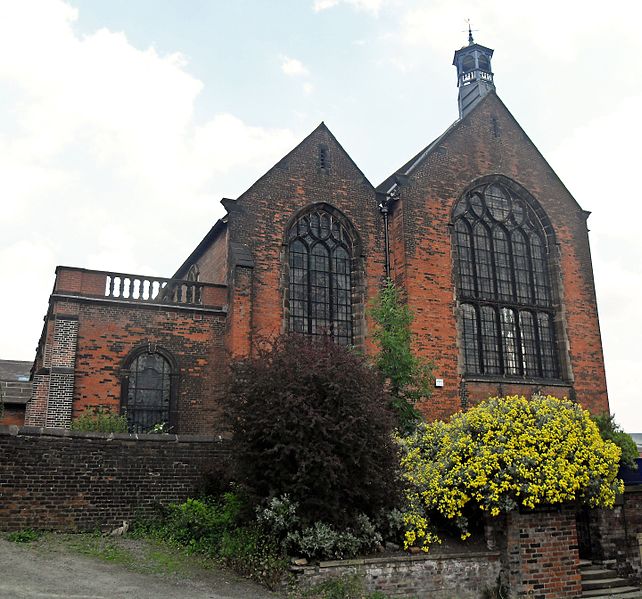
[142,555]
[95,545]
[24,536]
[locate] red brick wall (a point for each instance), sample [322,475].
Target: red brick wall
[616,534]
[13,414]
[212,265]
[64,480]
[541,554]
[470,151]
[108,332]
[261,215]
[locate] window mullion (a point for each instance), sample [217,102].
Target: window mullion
[308,281]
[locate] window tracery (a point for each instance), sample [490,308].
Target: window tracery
[506,312]
[320,276]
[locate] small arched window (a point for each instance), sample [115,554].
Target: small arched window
[320,276]
[148,391]
[506,311]
[193,273]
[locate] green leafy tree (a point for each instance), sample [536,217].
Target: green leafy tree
[611,431]
[409,378]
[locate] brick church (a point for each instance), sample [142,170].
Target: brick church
[489,247]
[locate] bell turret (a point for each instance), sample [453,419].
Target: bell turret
[474,74]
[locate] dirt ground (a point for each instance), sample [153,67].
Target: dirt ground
[85,568]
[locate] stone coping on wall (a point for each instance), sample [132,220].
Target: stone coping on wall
[370,561]
[36,431]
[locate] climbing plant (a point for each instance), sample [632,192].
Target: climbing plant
[409,378]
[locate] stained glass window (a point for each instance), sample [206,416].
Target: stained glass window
[320,273]
[503,286]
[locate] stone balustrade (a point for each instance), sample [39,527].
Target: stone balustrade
[138,288]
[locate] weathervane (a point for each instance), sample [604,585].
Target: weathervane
[470,32]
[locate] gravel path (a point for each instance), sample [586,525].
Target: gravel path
[32,571]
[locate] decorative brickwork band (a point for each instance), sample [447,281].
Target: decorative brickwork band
[61,394]
[53,388]
[36,410]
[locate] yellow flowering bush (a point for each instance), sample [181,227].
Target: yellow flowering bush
[505,453]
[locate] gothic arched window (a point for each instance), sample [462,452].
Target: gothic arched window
[148,389]
[506,311]
[320,276]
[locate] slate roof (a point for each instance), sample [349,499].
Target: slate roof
[14,381]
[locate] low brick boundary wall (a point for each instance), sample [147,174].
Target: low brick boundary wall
[461,575]
[542,553]
[57,479]
[617,534]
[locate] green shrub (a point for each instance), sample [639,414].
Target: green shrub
[410,378]
[611,431]
[503,454]
[217,528]
[311,420]
[279,521]
[101,420]
[24,536]
[200,524]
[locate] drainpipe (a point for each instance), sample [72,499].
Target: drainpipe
[384,207]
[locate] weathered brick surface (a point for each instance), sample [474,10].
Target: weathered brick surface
[490,142]
[540,553]
[249,255]
[464,576]
[259,219]
[60,480]
[617,533]
[109,332]
[13,414]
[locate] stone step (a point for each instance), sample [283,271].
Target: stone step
[619,593]
[604,583]
[585,563]
[596,573]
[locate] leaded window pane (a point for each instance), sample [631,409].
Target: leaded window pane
[490,345]
[483,262]
[320,300]
[547,344]
[504,285]
[465,259]
[470,338]
[540,274]
[148,393]
[503,269]
[530,361]
[497,202]
[509,341]
[522,268]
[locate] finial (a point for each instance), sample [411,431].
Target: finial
[471,41]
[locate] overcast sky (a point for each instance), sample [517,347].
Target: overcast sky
[123,123]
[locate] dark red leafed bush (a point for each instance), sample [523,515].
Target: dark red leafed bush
[311,419]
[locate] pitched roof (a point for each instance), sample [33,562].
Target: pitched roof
[400,175]
[15,386]
[200,249]
[15,370]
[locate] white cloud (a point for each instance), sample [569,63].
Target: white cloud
[371,6]
[101,158]
[293,67]
[320,5]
